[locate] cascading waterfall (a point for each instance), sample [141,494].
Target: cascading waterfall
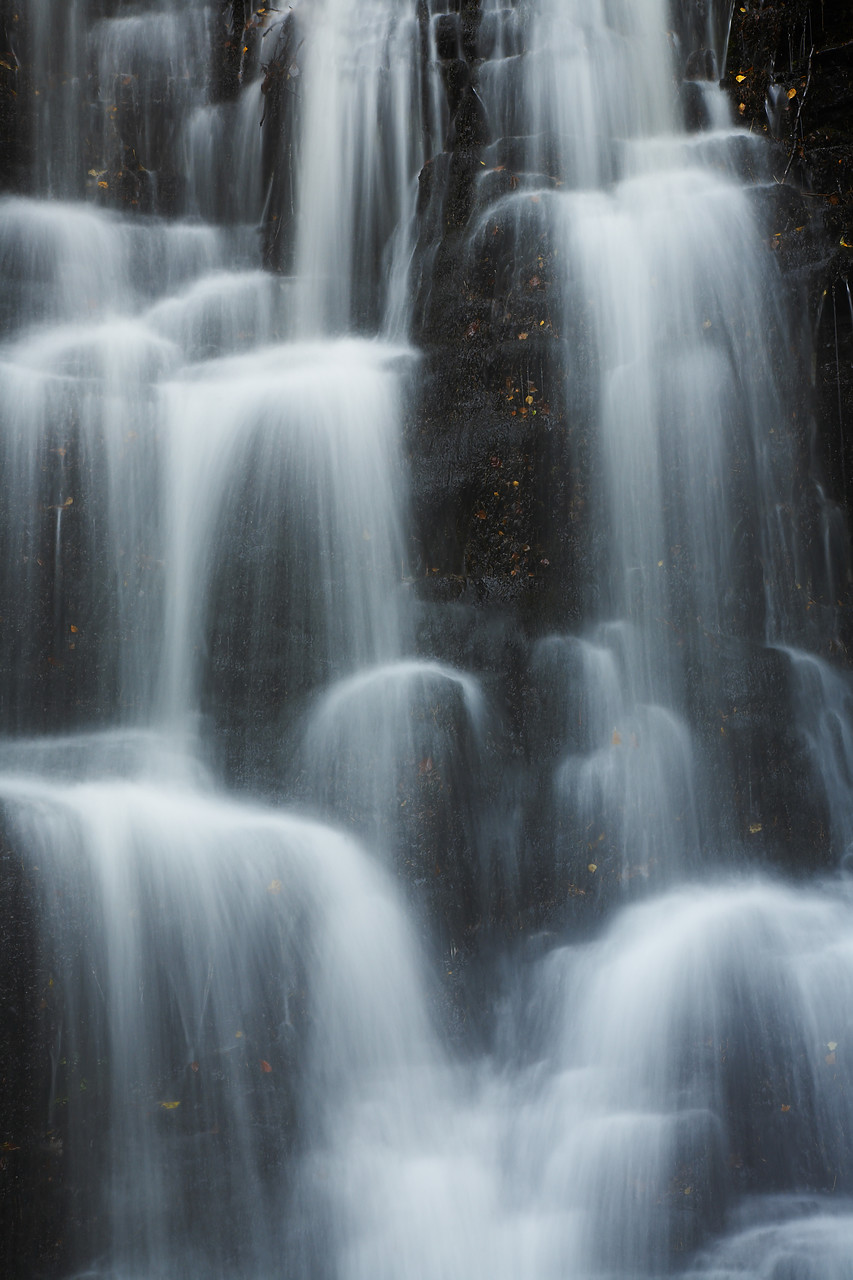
[300,886]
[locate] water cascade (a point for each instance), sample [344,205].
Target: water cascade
[375,919]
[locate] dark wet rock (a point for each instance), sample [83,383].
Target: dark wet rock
[694,107]
[701,65]
[470,127]
[446,33]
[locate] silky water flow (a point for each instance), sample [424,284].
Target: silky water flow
[205,582]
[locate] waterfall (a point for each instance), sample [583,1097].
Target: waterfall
[372,916]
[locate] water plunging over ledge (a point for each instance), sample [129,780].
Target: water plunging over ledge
[361,932]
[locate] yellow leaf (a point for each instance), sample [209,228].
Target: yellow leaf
[754,828]
[274,886]
[832,1045]
[169,1106]
[104,185]
[792,93]
[740,79]
[785,1106]
[593,867]
[522,337]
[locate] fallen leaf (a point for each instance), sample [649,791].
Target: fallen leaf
[169,1106]
[265,1066]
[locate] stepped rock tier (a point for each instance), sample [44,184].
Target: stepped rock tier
[426,717]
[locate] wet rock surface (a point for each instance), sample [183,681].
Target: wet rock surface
[498,460]
[789,75]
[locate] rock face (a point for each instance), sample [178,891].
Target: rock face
[500,460]
[789,74]
[498,465]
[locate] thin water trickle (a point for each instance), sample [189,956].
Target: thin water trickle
[368,1044]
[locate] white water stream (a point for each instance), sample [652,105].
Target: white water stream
[261,1063]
